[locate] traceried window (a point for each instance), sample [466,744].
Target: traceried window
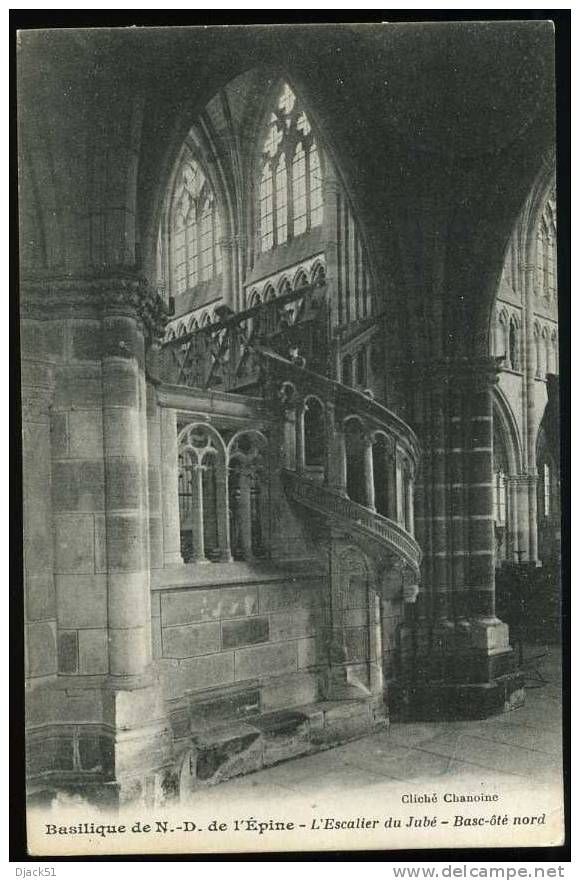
[546,276]
[500,496]
[194,228]
[290,186]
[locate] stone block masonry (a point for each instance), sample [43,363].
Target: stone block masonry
[213,636]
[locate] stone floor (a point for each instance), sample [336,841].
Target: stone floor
[515,748]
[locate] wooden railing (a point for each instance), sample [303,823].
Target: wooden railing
[224,355]
[373,525]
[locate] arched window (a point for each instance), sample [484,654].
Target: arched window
[501,510]
[281,201]
[547,487]
[540,244]
[500,496]
[194,228]
[290,193]
[502,336]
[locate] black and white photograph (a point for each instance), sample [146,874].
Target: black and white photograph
[291,437]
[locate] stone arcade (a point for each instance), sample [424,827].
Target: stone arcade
[269,469]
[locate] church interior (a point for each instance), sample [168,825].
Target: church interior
[290,407]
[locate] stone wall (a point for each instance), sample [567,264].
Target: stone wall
[224,640]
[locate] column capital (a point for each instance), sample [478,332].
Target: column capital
[120,293]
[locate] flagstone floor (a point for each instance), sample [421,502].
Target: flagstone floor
[514,749]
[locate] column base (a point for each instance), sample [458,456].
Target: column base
[439,701]
[462,670]
[101,744]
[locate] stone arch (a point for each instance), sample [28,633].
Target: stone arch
[300,279]
[202,492]
[254,298]
[318,273]
[248,498]
[202,427]
[504,417]
[284,286]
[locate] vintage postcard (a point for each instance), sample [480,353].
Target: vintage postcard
[290,433]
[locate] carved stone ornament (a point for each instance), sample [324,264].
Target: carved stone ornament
[70,296]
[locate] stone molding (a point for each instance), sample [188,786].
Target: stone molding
[94,297]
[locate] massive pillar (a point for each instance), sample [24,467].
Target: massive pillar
[126,515]
[467,656]
[39,590]
[103,719]
[529,406]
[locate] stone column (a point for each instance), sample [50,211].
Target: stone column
[529,401]
[341,465]
[513,546]
[245,512]
[228,290]
[39,589]
[486,638]
[170,489]
[481,575]
[440,502]
[300,440]
[399,490]
[335,451]
[331,207]
[154,481]
[197,514]
[289,457]
[368,474]
[391,469]
[126,515]
[533,514]
[223,523]
[457,478]
[410,524]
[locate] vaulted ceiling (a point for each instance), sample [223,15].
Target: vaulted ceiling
[438,130]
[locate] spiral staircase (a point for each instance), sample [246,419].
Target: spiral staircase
[355,494]
[280,352]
